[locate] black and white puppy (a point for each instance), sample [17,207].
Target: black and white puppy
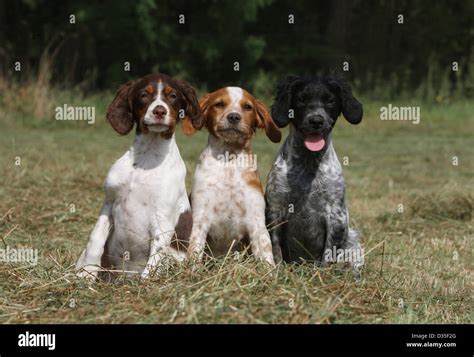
[305,193]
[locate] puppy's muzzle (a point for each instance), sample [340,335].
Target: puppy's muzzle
[315,121]
[234,118]
[158,118]
[159,112]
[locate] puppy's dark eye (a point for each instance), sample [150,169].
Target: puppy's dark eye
[219,104]
[144,96]
[330,102]
[172,96]
[301,100]
[248,107]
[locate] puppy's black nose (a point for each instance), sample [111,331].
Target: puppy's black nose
[233,118]
[317,121]
[159,111]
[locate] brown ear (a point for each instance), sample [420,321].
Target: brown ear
[119,113]
[203,106]
[265,121]
[192,120]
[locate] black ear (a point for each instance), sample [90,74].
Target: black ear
[351,107]
[281,105]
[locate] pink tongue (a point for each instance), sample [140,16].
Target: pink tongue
[314,142]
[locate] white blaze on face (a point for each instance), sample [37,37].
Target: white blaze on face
[235,94]
[150,117]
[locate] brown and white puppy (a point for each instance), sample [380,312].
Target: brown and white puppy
[227,196]
[146,204]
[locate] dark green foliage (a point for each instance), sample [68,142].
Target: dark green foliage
[386,58]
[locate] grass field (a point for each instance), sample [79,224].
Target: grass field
[418,262]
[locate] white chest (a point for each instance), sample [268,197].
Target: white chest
[147,185]
[223,198]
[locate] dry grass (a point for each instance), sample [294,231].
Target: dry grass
[443,206]
[418,262]
[34,95]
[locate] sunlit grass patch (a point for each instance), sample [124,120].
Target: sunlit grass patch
[412,205]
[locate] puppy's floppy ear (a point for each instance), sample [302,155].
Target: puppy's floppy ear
[119,113]
[281,105]
[351,107]
[265,121]
[204,104]
[193,115]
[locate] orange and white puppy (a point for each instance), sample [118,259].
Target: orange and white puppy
[227,197]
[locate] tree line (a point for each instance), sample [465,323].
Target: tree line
[385,47]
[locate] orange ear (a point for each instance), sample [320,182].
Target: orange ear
[265,121]
[187,126]
[204,103]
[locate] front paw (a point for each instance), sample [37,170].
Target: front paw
[357,270]
[88,272]
[148,272]
[277,254]
[270,260]
[145,274]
